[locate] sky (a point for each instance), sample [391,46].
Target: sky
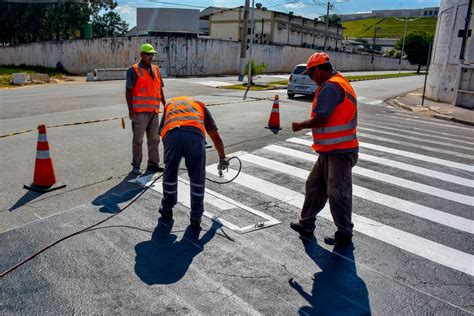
[306,8]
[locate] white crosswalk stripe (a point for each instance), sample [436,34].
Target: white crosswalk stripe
[383,161]
[417,245]
[398,204]
[213,83]
[400,126]
[418,120]
[442,162]
[453,182]
[400,130]
[399,135]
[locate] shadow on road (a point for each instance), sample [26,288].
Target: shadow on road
[122,192]
[337,289]
[26,198]
[163,259]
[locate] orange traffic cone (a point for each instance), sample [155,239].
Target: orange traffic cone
[44,179]
[274,121]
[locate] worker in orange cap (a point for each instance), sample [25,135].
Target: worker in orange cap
[144,93]
[333,122]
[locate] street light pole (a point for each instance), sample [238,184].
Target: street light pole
[403,44]
[243,40]
[373,45]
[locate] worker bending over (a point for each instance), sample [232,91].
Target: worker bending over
[183,130]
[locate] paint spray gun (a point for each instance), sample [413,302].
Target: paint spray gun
[222,165]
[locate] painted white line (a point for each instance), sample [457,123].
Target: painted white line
[408,184]
[408,207]
[213,83]
[408,144]
[375,102]
[401,129]
[394,164]
[419,246]
[424,121]
[424,140]
[408,154]
[415,186]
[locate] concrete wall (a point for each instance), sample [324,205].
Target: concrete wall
[179,56]
[444,76]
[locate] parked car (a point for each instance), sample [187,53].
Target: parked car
[299,83]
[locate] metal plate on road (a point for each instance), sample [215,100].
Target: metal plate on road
[214,198]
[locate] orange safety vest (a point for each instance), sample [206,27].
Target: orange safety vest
[340,130]
[183,111]
[147,90]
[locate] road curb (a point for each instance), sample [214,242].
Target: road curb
[435,114]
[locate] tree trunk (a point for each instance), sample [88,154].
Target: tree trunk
[418,70]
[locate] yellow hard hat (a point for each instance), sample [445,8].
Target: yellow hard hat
[147,48]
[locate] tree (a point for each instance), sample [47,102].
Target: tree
[109,25]
[32,22]
[334,20]
[416,48]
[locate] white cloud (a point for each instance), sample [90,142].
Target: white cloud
[125,9]
[296,5]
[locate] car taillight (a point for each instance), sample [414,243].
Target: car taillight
[291,77]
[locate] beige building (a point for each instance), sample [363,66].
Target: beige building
[271,27]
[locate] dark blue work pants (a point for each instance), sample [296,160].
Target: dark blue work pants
[189,145]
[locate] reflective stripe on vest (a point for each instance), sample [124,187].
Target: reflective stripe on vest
[147,90]
[183,111]
[339,132]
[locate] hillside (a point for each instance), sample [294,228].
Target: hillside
[389,27]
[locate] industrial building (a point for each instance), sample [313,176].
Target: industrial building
[272,27]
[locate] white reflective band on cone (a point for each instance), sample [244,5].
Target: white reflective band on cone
[42,138]
[42,154]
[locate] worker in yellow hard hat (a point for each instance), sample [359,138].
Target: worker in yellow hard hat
[333,122]
[144,93]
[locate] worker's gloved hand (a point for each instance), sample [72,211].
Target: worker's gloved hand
[223,164]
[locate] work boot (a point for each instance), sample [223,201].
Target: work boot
[166,216]
[338,240]
[303,231]
[136,171]
[153,168]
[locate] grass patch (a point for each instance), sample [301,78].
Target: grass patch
[381,76]
[6,72]
[389,27]
[279,84]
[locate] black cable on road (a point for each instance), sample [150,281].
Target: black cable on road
[90,228]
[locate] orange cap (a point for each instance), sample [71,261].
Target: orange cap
[317,59]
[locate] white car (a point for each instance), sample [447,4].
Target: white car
[300,83]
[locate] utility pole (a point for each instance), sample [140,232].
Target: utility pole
[327,27]
[373,45]
[243,40]
[249,73]
[403,44]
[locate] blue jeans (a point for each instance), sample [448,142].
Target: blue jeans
[190,146]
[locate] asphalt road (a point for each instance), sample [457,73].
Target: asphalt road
[413,212]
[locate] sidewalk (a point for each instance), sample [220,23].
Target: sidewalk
[412,102]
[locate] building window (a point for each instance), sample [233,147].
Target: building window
[431,13]
[425,13]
